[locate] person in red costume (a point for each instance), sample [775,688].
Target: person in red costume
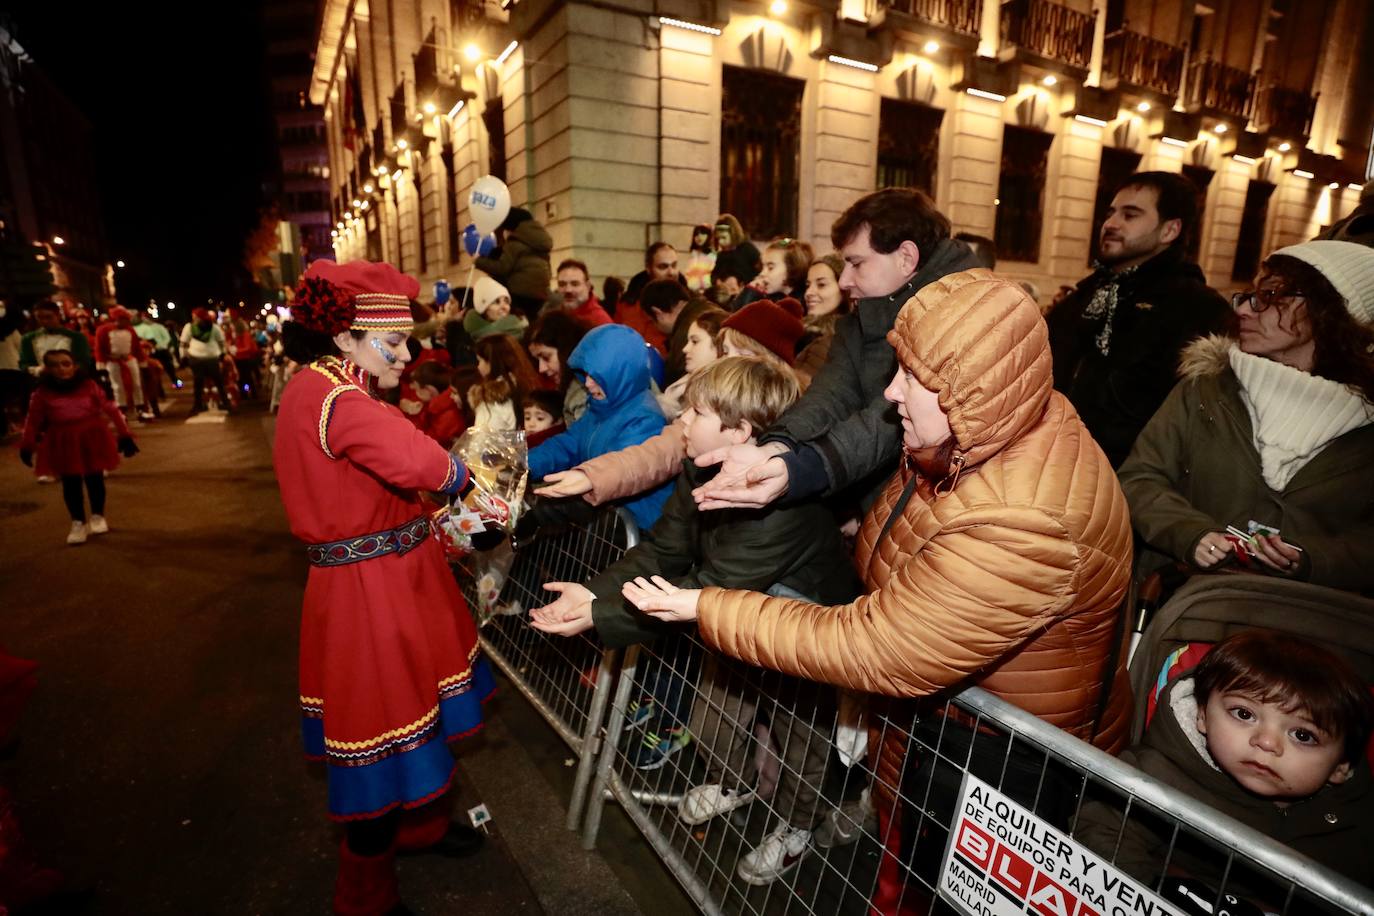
[116,351]
[390,668]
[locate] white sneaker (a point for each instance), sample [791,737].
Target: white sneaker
[702,803]
[778,854]
[46,478]
[98,525]
[78,533]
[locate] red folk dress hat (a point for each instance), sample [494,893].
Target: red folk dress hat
[357,296]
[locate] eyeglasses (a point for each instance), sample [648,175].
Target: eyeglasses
[1260,299]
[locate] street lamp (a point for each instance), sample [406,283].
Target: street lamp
[472,52]
[58,240]
[119,263]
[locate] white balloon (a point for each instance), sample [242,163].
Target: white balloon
[489,201]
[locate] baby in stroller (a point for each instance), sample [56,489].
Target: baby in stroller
[1264,725]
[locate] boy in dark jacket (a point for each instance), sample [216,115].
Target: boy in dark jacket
[1270,730]
[793,549]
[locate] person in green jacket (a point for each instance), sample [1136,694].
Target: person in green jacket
[793,550]
[51,335]
[522,262]
[1271,433]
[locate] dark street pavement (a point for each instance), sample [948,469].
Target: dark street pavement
[160,762]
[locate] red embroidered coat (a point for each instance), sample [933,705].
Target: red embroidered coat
[390,669]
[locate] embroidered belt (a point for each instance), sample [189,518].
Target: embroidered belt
[399,540]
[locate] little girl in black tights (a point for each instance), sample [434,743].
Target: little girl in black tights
[72,416]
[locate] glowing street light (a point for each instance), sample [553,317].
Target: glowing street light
[429,108]
[119,263]
[58,240]
[472,52]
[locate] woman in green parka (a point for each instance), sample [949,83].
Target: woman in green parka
[1272,431]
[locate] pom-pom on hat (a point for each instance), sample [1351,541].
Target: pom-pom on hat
[357,296]
[486,291]
[776,325]
[1347,266]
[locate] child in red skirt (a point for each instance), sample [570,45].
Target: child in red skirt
[72,416]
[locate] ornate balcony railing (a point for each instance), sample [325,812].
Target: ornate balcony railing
[1049,30]
[1284,112]
[1143,61]
[1222,89]
[955,15]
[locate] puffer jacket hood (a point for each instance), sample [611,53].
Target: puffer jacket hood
[980,343]
[618,358]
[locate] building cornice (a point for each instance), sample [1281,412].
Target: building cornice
[329,47]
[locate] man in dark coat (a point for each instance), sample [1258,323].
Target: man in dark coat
[843,433]
[1117,337]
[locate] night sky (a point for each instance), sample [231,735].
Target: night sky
[178,96]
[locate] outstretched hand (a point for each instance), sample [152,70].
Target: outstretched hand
[750,476]
[565,483]
[568,614]
[662,598]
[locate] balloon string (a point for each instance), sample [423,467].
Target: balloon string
[467,288]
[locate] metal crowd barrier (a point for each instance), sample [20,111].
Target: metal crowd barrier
[568,681]
[993,812]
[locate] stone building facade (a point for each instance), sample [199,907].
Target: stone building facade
[620,122]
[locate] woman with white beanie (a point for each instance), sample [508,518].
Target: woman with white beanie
[1271,434]
[491,312]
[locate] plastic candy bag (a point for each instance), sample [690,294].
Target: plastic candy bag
[498,462]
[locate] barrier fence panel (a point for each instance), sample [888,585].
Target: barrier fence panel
[974,807]
[569,681]
[757,793]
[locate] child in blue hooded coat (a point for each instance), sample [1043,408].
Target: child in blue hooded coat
[612,361]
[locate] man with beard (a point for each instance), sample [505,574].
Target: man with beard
[1117,337]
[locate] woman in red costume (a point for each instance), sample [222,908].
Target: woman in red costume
[390,667]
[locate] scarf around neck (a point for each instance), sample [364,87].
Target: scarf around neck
[1102,305]
[1293,414]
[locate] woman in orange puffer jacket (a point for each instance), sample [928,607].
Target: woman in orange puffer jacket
[998,555]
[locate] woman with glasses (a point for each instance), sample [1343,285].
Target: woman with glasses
[1260,457]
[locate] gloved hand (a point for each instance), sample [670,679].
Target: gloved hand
[127,447]
[26,456]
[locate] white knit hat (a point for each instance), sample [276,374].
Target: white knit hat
[485,292]
[1346,266]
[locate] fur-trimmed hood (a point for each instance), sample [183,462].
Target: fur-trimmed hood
[1206,356]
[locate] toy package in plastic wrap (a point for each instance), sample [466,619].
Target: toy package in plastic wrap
[471,527]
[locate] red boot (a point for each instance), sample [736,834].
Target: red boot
[366,885]
[423,827]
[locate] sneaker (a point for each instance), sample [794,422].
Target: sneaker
[654,751]
[845,824]
[98,525]
[639,713]
[777,855]
[702,803]
[46,478]
[78,533]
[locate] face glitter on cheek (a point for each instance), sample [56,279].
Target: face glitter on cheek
[386,354]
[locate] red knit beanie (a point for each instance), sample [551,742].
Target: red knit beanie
[776,325]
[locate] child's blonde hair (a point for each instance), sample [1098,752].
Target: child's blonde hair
[737,388]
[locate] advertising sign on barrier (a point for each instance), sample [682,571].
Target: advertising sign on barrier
[1004,861]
